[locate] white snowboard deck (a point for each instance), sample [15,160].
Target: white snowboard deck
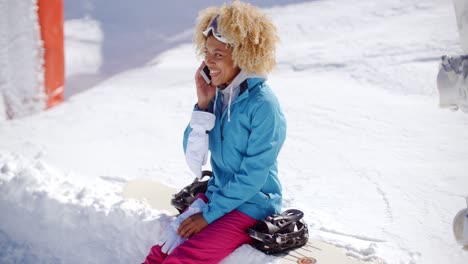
[156,194]
[159,196]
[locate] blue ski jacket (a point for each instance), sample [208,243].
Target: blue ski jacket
[244,154]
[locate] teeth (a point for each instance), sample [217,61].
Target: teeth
[215,72]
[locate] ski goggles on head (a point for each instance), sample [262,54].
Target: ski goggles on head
[213,29]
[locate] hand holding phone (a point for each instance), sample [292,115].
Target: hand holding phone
[205,88]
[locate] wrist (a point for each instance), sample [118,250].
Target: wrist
[204,102]
[202,107]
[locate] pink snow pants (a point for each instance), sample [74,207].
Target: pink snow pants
[211,245]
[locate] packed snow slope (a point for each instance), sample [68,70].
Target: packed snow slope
[373,162]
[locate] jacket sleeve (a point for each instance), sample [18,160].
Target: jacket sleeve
[188,129]
[268,131]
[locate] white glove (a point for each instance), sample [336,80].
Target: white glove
[452,83]
[197,143]
[169,239]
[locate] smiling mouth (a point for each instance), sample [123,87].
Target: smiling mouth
[214,73]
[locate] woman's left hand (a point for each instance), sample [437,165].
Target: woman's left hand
[192,225]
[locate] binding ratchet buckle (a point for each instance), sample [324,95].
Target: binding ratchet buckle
[280,233]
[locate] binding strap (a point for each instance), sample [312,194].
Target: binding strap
[280,233]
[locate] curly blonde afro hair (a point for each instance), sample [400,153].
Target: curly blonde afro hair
[251,33]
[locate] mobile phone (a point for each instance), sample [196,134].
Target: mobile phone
[205,73]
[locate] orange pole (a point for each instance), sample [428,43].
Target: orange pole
[50,14]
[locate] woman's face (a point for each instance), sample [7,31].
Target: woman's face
[218,58]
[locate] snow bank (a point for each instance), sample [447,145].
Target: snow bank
[55,220]
[21,60]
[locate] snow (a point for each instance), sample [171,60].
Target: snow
[376,167]
[56,221]
[86,36]
[461,11]
[21,64]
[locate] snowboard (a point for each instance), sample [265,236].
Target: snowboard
[319,252]
[159,196]
[154,193]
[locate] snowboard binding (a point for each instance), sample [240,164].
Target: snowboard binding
[280,233]
[186,196]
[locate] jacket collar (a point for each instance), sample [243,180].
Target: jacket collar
[250,83]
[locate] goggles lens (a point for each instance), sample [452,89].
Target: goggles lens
[213,29]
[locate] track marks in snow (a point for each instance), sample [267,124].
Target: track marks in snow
[380,191]
[359,237]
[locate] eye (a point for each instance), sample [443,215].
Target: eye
[218,55]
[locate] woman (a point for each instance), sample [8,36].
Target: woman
[246,128]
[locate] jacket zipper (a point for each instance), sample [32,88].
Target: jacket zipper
[222,120]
